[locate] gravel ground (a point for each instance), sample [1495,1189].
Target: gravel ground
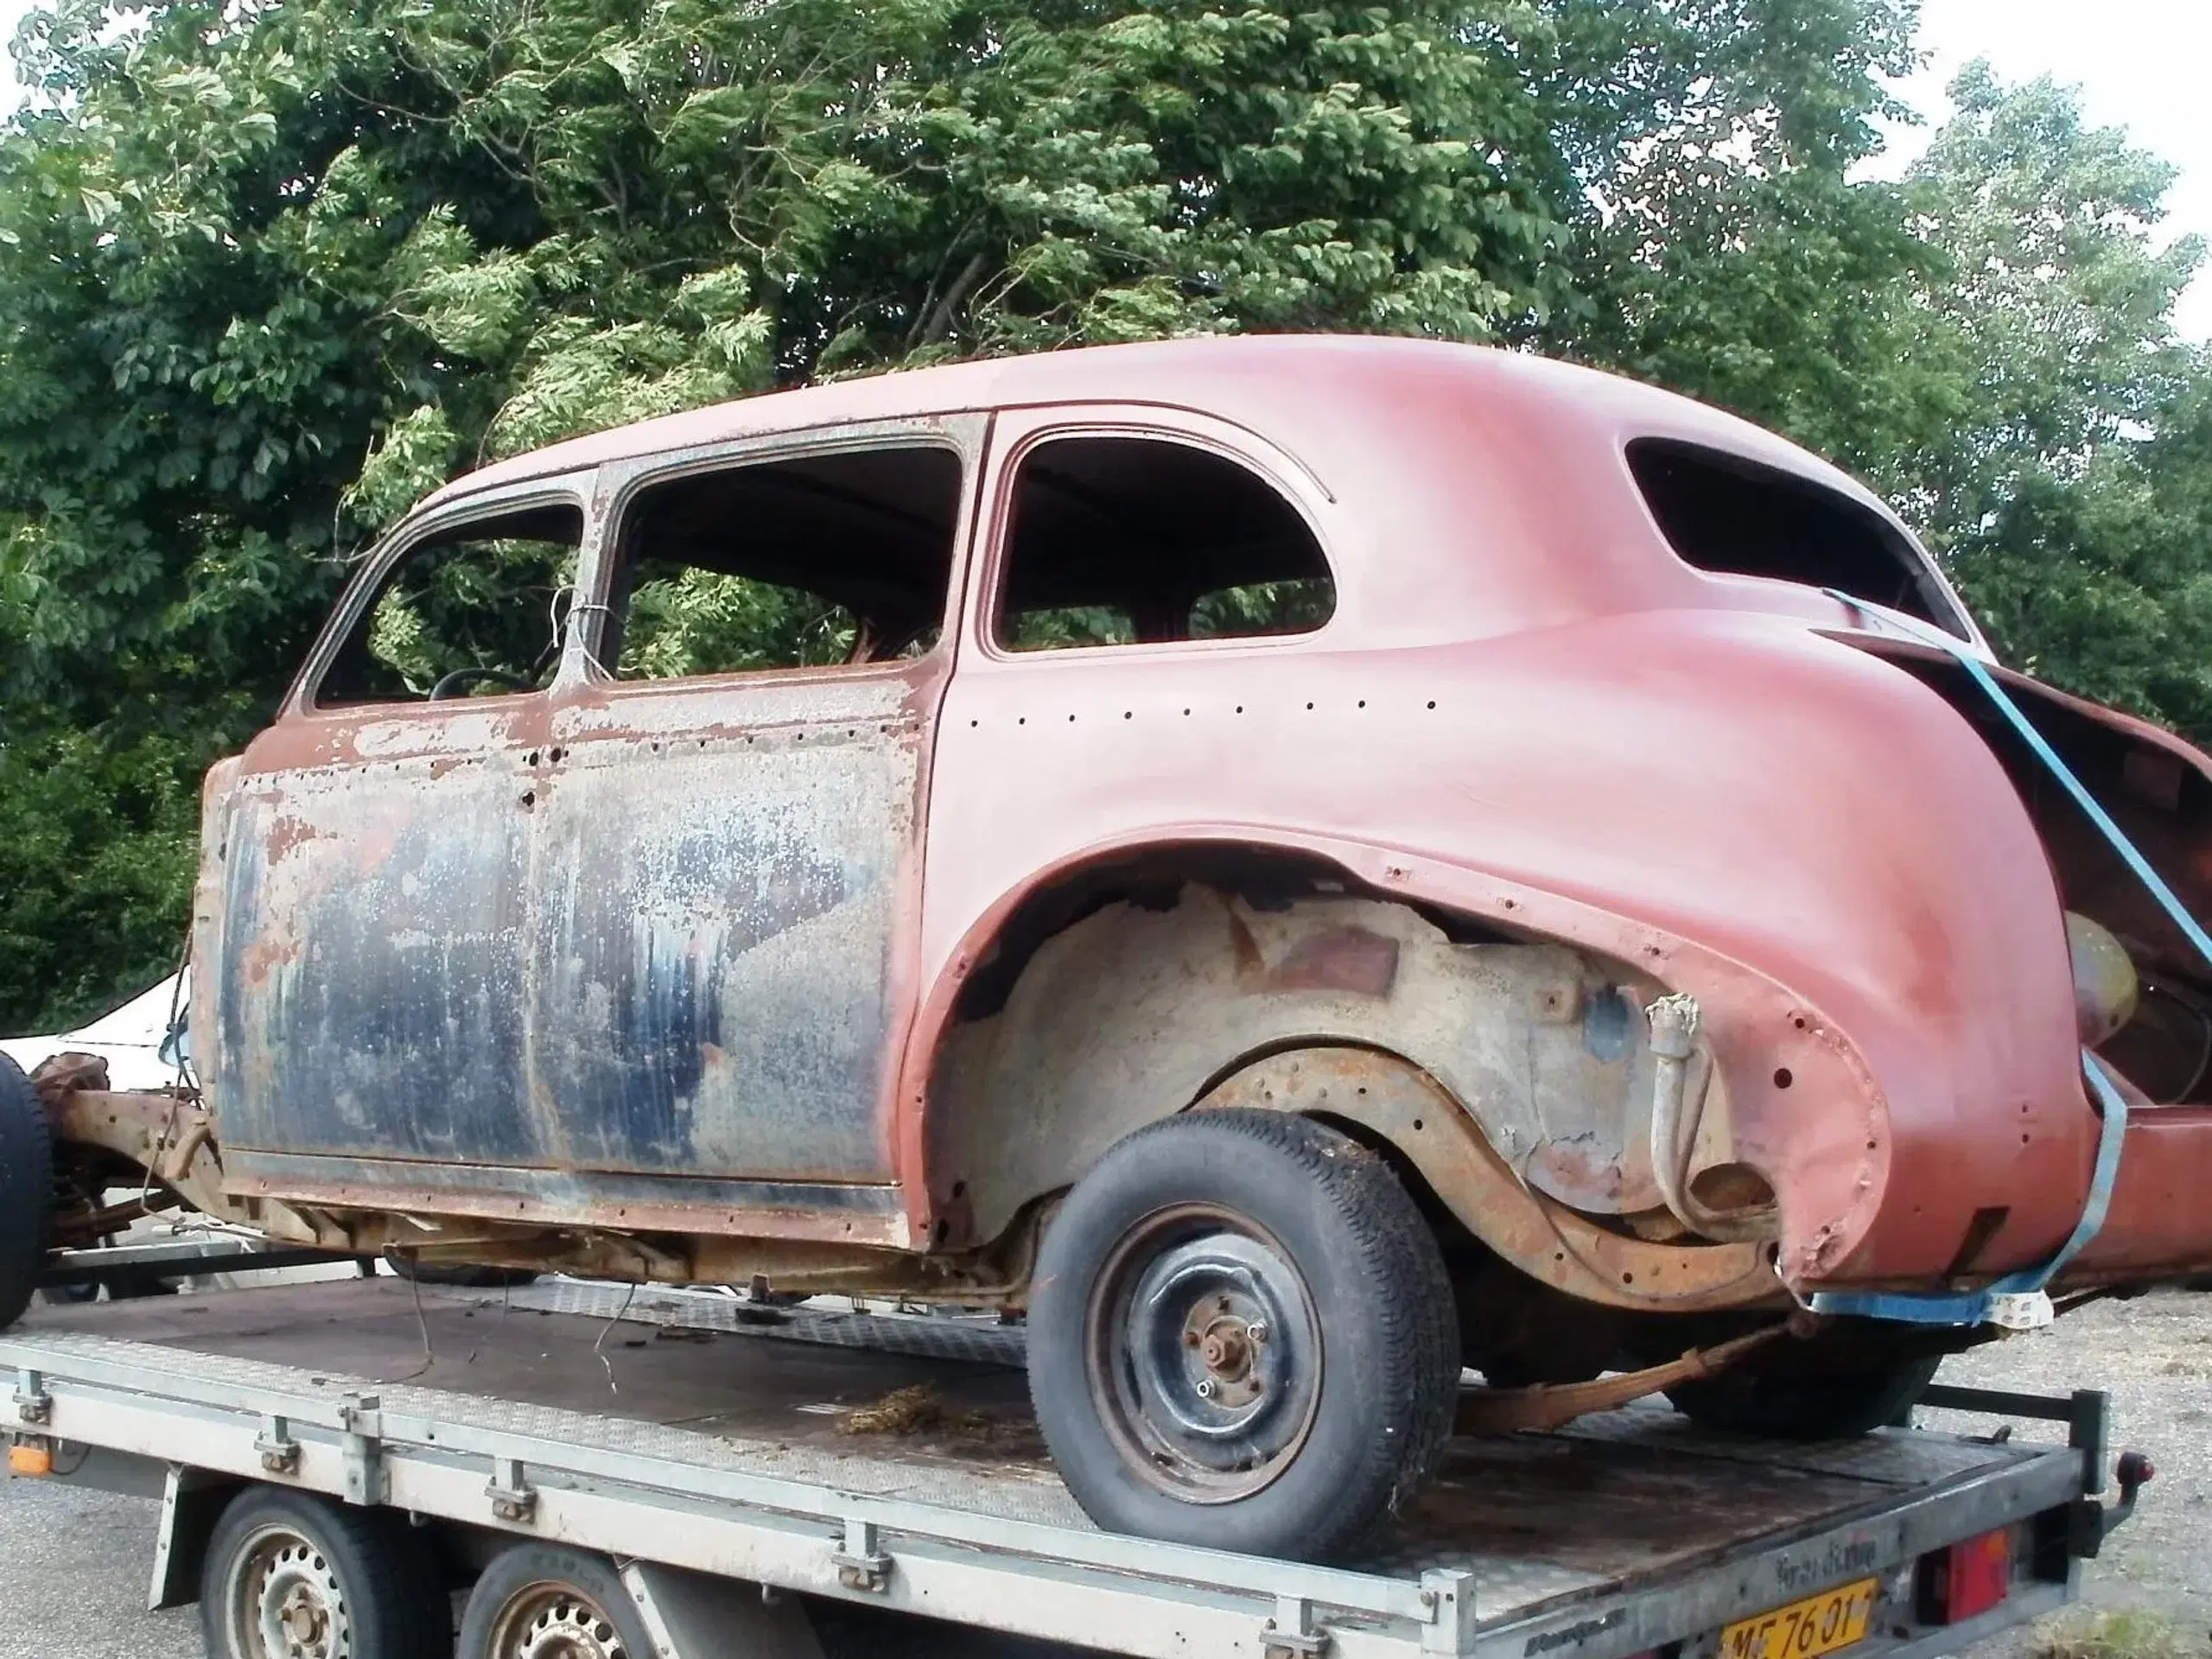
[74,1563]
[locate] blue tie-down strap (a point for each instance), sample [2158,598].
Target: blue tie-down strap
[2017,1299]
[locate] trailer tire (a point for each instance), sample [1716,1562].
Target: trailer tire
[1838,1405]
[26,1191]
[532,1590]
[290,1564]
[1170,1408]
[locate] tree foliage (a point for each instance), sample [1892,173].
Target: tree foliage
[270,269]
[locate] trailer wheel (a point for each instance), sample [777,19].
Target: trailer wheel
[26,1191]
[1241,1335]
[291,1576]
[539,1600]
[1838,1405]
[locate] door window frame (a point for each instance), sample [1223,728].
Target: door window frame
[965,434]
[367,584]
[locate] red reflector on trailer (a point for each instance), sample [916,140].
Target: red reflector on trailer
[1970,1577]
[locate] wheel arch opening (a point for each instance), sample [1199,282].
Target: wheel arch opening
[974,1097]
[1146,984]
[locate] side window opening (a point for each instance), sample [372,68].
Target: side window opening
[813,562]
[474,611]
[1734,517]
[1118,541]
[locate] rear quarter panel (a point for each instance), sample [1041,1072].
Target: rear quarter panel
[1838,846]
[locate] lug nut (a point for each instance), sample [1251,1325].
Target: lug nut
[1257,1332]
[1206,1388]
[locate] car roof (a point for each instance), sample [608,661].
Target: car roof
[1473,491]
[1224,375]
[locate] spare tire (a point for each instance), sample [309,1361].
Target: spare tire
[26,1191]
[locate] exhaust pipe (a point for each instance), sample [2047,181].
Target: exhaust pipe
[1674,1022]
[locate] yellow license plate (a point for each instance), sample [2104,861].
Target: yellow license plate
[1804,1630]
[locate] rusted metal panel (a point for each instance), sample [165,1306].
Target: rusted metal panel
[615,951]
[843,1212]
[376,948]
[722,872]
[1551,1243]
[1131,1013]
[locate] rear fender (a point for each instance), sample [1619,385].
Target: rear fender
[1819,1137]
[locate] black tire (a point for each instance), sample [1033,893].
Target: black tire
[1206,1429]
[279,1554]
[531,1585]
[468,1278]
[1838,1405]
[26,1191]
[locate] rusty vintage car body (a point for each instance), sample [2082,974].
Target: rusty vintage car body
[844,972]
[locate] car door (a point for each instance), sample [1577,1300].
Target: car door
[730,870]
[371,856]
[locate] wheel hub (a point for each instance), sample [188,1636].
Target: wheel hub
[556,1622]
[303,1619]
[290,1605]
[1220,1332]
[1205,1354]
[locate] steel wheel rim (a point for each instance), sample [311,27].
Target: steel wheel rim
[1202,1348]
[551,1620]
[287,1602]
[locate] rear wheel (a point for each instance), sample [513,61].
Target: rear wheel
[292,1576]
[26,1191]
[1806,1405]
[1241,1335]
[539,1601]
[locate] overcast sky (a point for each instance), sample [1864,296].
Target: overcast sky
[2140,64]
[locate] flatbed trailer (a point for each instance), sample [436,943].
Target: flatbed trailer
[754,1476]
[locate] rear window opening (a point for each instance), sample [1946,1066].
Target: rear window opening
[811,562]
[1733,517]
[1127,541]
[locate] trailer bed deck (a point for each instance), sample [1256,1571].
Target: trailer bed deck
[717,1435]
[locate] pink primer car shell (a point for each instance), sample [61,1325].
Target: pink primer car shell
[1287,859]
[1528,722]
